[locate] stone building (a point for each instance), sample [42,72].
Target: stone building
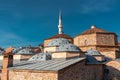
[98,39]
[22,53]
[92,55]
[65,63]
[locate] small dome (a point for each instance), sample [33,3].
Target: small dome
[68,47]
[92,52]
[91,59]
[41,57]
[1,52]
[58,42]
[93,26]
[23,51]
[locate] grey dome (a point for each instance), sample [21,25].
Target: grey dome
[1,52]
[41,57]
[90,59]
[58,42]
[21,50]
[16,49]
[68,47]
[92,52]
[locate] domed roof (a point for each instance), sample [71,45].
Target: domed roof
[92,52]
[40,57]
[1,51]
[58,42]
[60,36]
[68,47]
[93,29]
[21,50]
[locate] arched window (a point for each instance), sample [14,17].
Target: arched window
[86,43]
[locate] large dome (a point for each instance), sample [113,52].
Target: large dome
[58,42]
[63,45]
[68,47]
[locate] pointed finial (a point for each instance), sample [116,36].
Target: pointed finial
[93,26]
[60,22]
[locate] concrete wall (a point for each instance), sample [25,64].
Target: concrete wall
[31,75]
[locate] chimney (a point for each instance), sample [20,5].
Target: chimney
[7,62]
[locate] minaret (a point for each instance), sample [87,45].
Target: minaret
[60,23]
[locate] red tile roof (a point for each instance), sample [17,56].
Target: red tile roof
[94,30]
[8,50]
[60,36]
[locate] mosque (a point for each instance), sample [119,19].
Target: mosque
[92,55]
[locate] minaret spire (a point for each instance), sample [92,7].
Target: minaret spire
[60,23]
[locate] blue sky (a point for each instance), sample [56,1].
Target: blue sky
[29,22]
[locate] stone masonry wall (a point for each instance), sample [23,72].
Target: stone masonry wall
[90,40]
[112,71]
[109,54]
[31,75]
[81,71]
[47,41]
[106,39]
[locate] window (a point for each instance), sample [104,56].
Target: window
[86,43]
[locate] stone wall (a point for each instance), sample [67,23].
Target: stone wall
[0,74]
[109,54]
[81,71]
[47,41]
[50,49]
[112,70]
[94,72]
[65,55]
[77,71]
[85,48]
[85,40]
[31,75]
[26,56]
[106,39]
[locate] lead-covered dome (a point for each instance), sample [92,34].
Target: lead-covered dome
[21,50]
[68,47]
[92,52]
[41,57]
[58,42]
[63,45]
